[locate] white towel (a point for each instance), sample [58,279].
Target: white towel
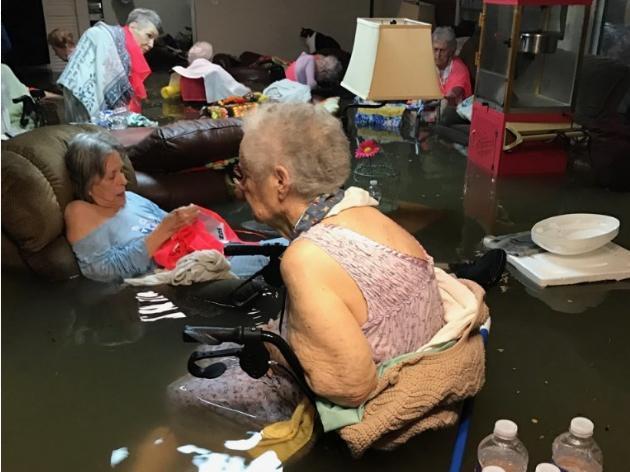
[198,266]
[218,82]
[352,198]
[460,309]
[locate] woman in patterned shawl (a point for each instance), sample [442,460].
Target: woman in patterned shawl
[107,69]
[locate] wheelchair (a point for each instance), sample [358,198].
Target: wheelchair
[254,357]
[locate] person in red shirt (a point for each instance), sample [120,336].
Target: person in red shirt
[453,73]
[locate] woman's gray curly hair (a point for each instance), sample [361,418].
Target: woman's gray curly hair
[143,16]
[445,34]
[306,139]
[85,160]
[327,69]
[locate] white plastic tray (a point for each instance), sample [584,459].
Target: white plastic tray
[610,262]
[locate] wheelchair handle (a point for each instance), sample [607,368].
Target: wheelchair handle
[214,335]
[269,250]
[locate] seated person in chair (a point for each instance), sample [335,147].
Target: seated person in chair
[218,83]
[453,75]
[114,233]
[361,289]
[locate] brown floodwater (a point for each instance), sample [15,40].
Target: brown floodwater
[84,378]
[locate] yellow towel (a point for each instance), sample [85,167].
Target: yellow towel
[288,437]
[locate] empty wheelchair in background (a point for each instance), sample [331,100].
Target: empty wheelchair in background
[35,109]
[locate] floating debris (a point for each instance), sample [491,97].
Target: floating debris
[500,349]
[535,420]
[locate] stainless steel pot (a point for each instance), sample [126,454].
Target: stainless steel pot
[537,43]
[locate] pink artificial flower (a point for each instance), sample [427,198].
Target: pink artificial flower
[368,148]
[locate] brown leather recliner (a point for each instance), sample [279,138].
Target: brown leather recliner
[169,169]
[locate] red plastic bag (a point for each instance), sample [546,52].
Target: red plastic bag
[210,231]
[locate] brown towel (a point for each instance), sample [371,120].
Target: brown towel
[423,392]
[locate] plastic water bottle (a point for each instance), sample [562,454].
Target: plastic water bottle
[503,448]
[576,450]
[375,190]
[546,467]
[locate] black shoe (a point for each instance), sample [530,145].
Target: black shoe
[486,270]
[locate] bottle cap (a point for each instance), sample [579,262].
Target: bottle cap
[546,467]
[493,468]
[581,427]
[373,182]
[505,429]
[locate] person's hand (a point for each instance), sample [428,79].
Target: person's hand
[173,222]
[178,218]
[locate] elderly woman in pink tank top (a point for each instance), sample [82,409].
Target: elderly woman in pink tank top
[361,290]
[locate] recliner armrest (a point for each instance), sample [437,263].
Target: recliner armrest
[186,144]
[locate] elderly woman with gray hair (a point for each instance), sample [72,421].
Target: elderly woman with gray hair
[113,232]
[453,73]
[361,289]
[314,69]
[107,69]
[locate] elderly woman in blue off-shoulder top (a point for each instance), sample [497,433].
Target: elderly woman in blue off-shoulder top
[114,233]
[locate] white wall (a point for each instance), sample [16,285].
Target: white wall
[273,26]
[265,26]
[175,14]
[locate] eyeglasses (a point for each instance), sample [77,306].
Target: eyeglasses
[237,173]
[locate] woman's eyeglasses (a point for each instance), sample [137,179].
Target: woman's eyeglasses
[237,173]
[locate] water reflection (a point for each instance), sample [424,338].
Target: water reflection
[81,368]
[571,299]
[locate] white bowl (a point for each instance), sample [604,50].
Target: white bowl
[575,233]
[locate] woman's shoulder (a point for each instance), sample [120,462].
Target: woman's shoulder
[302,260]
[81,219]
[78,208]
[369,224]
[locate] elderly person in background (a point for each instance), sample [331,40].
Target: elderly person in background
[218,83]
[107,69]
[453,73]
[361,289]
[114,233]
[200,50]
[314,70]
[62,43]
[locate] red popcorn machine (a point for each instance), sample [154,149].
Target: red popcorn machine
[528,64]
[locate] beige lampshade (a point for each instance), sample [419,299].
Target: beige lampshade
[392,61]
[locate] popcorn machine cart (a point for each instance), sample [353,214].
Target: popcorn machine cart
[528,64]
